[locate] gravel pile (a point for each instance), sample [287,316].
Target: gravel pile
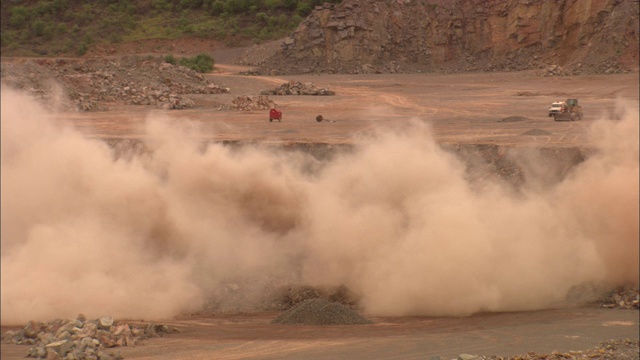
[130,80]
[248,103]
[320,312]
[81,338]
[298,88]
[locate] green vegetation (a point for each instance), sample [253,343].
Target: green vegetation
[201,63]
[31,27]
[170,59]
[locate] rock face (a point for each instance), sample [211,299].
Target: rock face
[592,36]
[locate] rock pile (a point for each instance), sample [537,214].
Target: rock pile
[298,88]
[610,67]
[81,338]
[130,80]
[320,312]
[248,103]
[239,296]
[623,299]
[293,295]
[612,349]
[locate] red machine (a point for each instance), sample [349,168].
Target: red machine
[275,114]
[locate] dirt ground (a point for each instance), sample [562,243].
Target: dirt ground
[507,109]
[566,332]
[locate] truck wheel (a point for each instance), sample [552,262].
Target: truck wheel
[270,119]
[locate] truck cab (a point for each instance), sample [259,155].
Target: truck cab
[556,108]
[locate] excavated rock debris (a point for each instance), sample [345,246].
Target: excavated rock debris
[248,103]
[81,338]
[320,312]
[612,349]
[298,88]
[623,299]
[129,80]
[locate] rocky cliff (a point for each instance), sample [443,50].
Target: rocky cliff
[580,36]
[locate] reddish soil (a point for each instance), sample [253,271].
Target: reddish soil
[464,108]
[505,334]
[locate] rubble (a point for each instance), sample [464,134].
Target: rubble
[611,349]
[248,103]
[129,80]
[623,299]
[80,338]
[297,88]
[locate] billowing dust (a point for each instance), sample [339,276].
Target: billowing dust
[396,221]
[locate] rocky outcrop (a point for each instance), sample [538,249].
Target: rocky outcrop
[589,36]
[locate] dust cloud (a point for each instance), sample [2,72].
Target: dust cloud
[156,234]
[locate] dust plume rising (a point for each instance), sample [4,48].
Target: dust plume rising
[158,233]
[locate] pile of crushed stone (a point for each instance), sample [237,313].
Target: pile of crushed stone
[298,88]
[131,80]
[82,338]
[320,312]
[249,103]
